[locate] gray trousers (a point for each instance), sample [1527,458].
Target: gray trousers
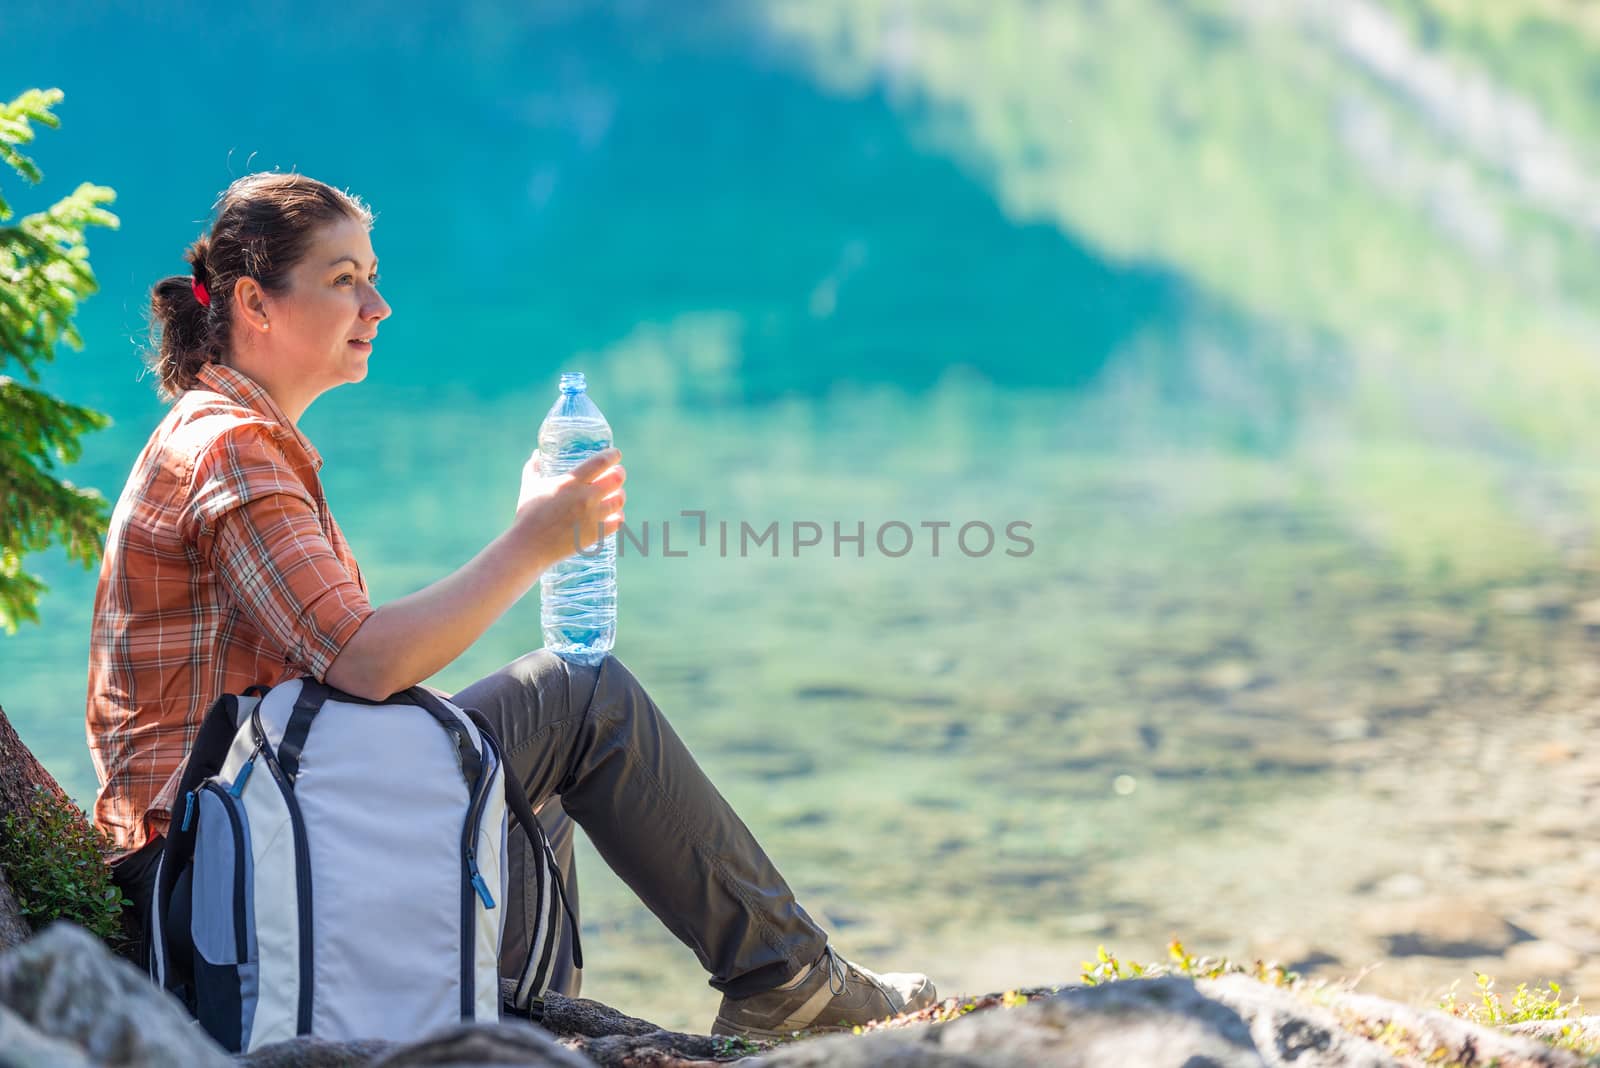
[588,745]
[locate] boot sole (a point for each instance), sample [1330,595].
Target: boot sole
[723,1029]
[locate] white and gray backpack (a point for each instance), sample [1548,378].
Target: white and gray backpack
[334,868]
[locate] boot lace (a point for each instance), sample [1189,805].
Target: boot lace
[838,971]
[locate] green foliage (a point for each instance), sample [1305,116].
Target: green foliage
[44,275]
[1489,1009]
[1107,968]
[735,1047]
[1526,1005]
[54,860]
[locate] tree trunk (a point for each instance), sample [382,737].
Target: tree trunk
[21,777]
[20,772]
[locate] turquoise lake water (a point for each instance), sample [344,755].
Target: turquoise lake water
[825,267]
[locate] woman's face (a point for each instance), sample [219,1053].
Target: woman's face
[324,325]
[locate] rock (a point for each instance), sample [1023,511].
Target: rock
[1153,1023]
[13,929]
[609,1037]
[308,1051]
[1554,752]
[1229,676]
[1541,960]
[1560,822]
[1088,923]
[1550,1030]
[658,1049]
[1586,982]
[1440,927]
[1588,614]
[23,1047]
[581,1016]
[1350,729]
[508,1042]
[1401,885]
[1545,602]
[1280,757]
[65,985]
[1289,1031]
[1430,1037]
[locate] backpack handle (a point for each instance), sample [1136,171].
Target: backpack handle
[314,694]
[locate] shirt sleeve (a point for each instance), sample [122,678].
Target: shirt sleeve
[258,528]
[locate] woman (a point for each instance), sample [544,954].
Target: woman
[224,568]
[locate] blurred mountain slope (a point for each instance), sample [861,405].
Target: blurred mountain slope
[1411,184]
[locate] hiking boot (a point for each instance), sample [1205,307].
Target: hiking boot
[831,995]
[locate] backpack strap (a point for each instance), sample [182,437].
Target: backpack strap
[539,964]
[471,761]
[313,695]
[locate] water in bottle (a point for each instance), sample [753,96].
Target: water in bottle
[578,596]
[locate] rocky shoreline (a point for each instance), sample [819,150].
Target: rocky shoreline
[67,1002]
[1434,821]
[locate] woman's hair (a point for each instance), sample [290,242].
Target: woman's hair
[265,224]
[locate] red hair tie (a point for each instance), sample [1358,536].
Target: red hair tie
[200,293]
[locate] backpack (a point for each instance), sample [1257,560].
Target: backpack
[334,867]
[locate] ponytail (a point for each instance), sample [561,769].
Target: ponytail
[181,326]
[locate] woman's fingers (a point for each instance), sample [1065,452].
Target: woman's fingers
[596,465]
[610,481]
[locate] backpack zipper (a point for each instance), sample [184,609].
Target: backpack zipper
[477,881]
[237,789]
[473,884]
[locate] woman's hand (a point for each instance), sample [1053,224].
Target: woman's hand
[556,516]
[408,640]
[531,479]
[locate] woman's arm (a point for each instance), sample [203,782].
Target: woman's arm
[406,641]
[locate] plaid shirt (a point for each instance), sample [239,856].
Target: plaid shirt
[223,568]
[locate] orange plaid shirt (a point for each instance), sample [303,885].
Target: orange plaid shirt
[223,568]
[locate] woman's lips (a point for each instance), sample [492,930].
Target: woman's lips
[364,346]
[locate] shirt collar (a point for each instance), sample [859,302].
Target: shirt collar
[240,387]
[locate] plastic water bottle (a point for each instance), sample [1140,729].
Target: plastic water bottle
[578,596]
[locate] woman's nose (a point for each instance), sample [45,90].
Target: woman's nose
[377,308]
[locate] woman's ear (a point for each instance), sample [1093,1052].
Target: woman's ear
[249,304]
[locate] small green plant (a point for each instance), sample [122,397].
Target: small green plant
[1107,968]
[55,863]
[1489,1008]
[735,1046]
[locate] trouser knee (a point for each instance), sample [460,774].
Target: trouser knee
[547,676]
